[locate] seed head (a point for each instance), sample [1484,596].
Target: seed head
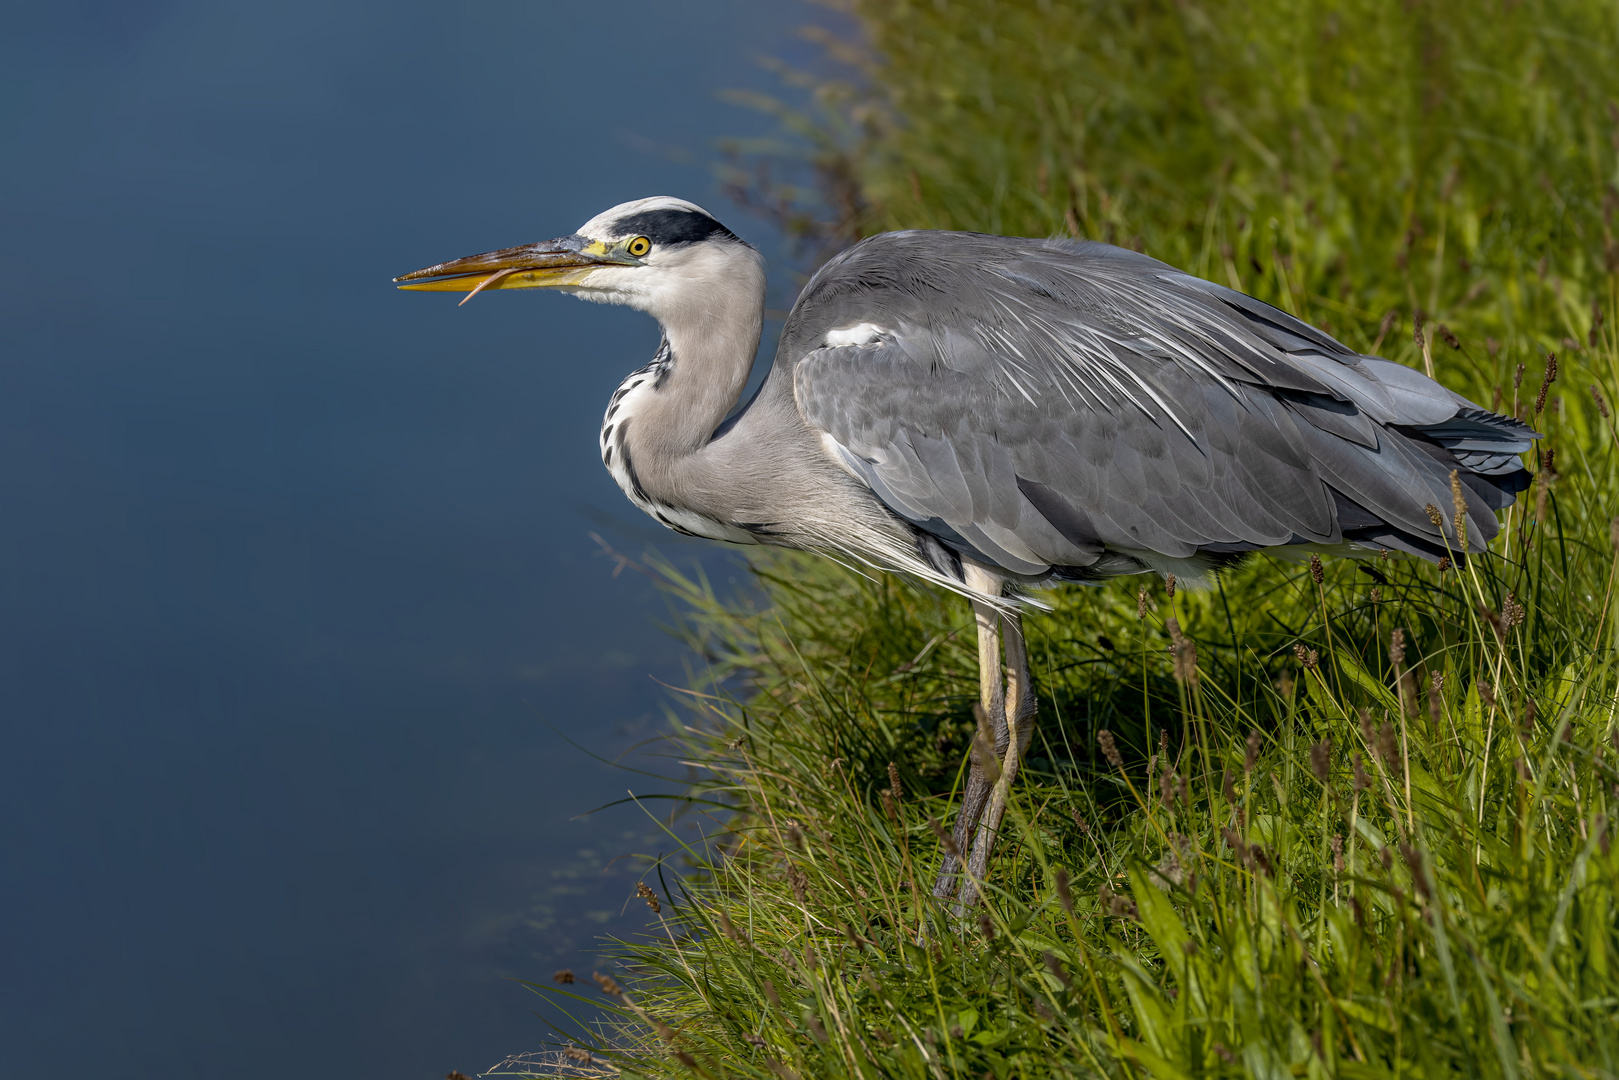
[1080,823]
[1486,694]
[1397,648]
[1517,377]
[1141,603]
[946,841]
[1419,877]
[608,984]
[644,891]
[1110,749]
[563,975]
[1383,554]
[1321,759]
[1169,583]
[1337,853]
[1448,337]
[1512,612]
[1458,503]
[986,926]
[1387,747]
[1250,756]
[893,781]
[1057,969]
[1546,382]
[1435,698]
[1308,657]
[1376,595]
[1361,782]
[578,1055]
[1435,517]
[1444,563]
[1417,334]
[1184,652]
[1316,572]
[1228,790]
[1389,318]
[1063,894]
[1602,402]
[795,836]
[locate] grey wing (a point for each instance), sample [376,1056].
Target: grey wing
[1043,404]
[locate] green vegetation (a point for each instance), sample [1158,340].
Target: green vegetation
[1358,818]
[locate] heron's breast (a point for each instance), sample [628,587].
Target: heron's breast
[627,404]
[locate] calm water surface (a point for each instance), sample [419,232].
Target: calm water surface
[297,594]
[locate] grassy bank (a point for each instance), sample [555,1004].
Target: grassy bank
[1341,820]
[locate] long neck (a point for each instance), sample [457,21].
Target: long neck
[662,416]
[709,351]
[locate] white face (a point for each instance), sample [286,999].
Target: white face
[687,255]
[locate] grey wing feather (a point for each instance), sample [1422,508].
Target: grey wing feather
[1041,403]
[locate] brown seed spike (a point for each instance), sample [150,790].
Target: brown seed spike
[1546,382]
[1435,517]
[1602,402]
[1316,572]
[1321,759]
[893,781]
[1064,895]
[1458,503]
[1169,583]
[1448,337]
[946,841]
[563,975]
[1110,749]
[1397,648]
[1250,756]
[1417,336]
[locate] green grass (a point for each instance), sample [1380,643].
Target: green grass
[1314,856]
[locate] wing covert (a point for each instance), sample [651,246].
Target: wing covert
[1040,403]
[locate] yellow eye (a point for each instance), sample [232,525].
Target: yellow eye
[639,246]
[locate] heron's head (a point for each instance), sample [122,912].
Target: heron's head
[658,255]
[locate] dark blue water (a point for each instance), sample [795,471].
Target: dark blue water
[296,586]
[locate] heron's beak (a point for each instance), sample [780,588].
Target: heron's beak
[567,260]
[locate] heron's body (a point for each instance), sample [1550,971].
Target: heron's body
[989,412]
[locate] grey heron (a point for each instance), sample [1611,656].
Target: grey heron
[995,414]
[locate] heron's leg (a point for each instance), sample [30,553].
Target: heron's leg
[1020,709]
[991,714]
